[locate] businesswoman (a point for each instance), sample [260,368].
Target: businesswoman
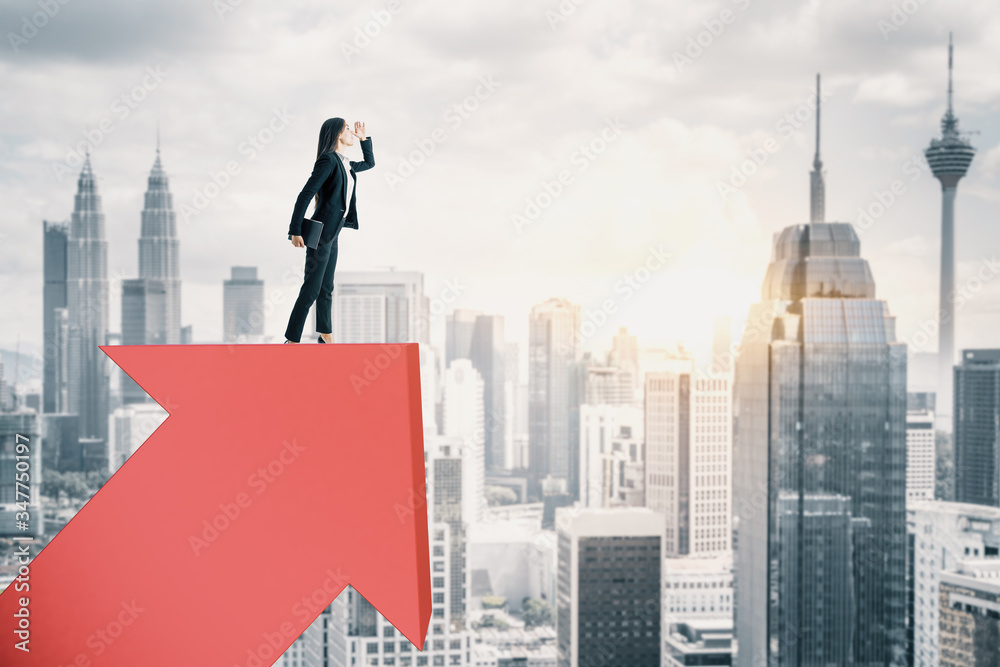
[332,185]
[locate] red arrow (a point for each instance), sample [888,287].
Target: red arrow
[283,473]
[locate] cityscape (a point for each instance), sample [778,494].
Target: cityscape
[808,486]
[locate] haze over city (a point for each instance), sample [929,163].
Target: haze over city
[689,115]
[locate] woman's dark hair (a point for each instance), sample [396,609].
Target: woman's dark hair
[328,135]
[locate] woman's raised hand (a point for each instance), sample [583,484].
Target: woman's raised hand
[359,130]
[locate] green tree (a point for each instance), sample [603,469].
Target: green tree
[52,483]
[494,602]
[944,483]
[536,612]
[500,495]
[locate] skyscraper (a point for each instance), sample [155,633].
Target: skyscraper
[151,303]
[372,640]
[464,423]
[970,614]
[612,468]
[87,301]
[920,454]
[144,302]
[624,355]
[471,334]
[821,455]
[553,327]
[977,428]
[949,158]
[488,354]
[159,253]
[55,238]
[516,429]
[380,307]
[608,385]
[243,306]
[689,459]
[608,589]
[455,494]
[941,535]
[459,329]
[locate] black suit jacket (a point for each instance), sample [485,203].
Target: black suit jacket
[329,178]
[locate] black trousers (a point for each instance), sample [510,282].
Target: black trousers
[317,286]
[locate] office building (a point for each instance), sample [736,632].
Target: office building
[372,640]
[688,435]
[624,355]
[380,307]
[431,390]
[820,388]
[55,242]
[976,434]
[455,498]
[821,399]
[609,385]
[697,587]
[553,327]
[324,643]
[61,435]
[470,334]
[608,594]
[970,615]
[460,327]
[515,423]
[151,303]
[940,536]
[612,467]
[920,455]
[463,430]
[488,354]
[87,303]
[243,313]
[699,642]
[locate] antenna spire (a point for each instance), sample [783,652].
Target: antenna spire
[817,186]
[950,51]
[817,163]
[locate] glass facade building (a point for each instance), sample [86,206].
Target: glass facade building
[243,311]
[55,242]
[87,309]
[820,462]
[977,431]
[553,333]
[151,303]
[609,572]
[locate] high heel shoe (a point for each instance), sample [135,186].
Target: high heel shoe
[321,339]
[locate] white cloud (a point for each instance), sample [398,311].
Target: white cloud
[687,130]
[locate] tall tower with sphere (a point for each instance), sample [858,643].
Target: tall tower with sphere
[949,158]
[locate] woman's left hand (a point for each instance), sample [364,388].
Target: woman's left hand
[359,130]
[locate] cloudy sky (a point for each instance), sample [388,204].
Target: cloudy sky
[478,109]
